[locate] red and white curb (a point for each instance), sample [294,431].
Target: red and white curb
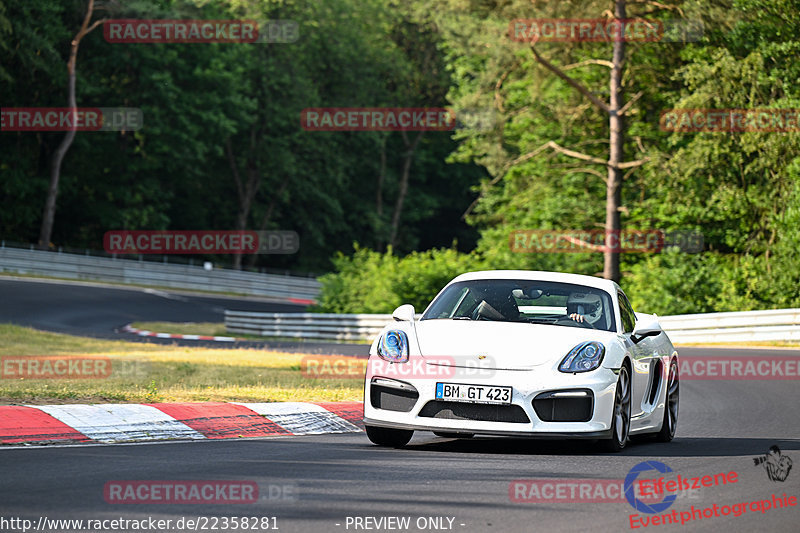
[303,301]
[112,423]
[145,333]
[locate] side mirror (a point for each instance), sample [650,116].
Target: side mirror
[404,313]
[647,326]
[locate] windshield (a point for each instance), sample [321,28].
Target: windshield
[537,302]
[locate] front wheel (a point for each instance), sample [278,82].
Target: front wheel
[395,438]
[670,422]
[621,417]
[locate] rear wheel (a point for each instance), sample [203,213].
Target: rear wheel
[447,435]
[395,438]
[621,417]
[670,422]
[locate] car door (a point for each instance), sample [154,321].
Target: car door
[643,356]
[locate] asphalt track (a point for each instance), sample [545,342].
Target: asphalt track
[723,426]
[97,310]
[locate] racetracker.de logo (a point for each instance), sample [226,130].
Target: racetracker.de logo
[181,492]
[55,367]
[139,31]
[201,242]
[604,30]
[331,367]
[377,119]
[429,367]
[575,491]
[761,368]
[729,120]
[621,241]
[71,118]
[180,31]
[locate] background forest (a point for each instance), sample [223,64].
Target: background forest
[389,217]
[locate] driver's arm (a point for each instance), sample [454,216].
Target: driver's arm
[577,317]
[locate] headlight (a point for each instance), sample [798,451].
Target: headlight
[393,346]
[583,358]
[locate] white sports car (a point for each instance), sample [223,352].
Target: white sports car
[523,353]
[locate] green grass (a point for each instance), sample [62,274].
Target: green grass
[159,373]
[186,328]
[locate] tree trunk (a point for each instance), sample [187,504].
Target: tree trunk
[401,194]
[611,268]
[379,197]
[246,191]
[49,213]
[616,136]
[251,261]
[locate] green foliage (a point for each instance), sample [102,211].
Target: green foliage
[677,283]
[152,393]
[374,282]
[176,172]
[741,190]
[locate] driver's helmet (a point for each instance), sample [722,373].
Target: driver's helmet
[586,304]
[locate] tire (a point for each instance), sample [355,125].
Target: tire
[671,402]
[621,417]
[394,438]
[447,435]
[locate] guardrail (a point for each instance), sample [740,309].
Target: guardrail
[737,326]
[85,267]
[771,325]
[306,325]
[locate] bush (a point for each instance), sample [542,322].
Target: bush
[673,283]
[667,283]
[372,282]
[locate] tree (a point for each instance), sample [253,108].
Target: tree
[5,28]
[49,213]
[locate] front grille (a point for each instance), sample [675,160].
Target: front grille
[474,411]
[392,399]
[551,408]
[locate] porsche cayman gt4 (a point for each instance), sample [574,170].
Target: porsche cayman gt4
[523,353]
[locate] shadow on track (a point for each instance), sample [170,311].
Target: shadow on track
[640,447]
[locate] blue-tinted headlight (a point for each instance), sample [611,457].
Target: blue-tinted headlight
[393,346]
[583,358]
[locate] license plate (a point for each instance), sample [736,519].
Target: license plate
[459,392]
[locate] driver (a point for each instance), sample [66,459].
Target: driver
[584,307]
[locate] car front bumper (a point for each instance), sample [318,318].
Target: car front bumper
[545,403]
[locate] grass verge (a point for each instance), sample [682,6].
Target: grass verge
[144,373]
[186,328]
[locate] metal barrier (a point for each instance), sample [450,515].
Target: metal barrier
[85,267]
[771,325]
[744,326]
[737,326]
[306,325]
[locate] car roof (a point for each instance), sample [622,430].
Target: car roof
[541,275]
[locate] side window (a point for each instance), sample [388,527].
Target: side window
[626,312]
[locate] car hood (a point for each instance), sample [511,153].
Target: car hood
[505,345]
